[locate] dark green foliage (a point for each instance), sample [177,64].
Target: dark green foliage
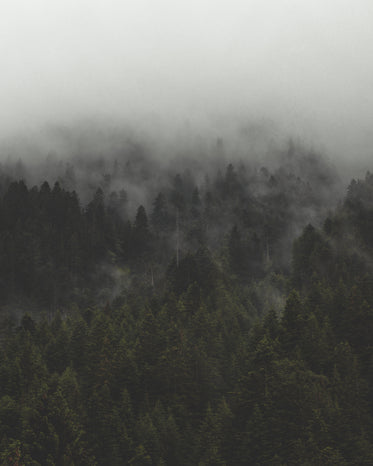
[186,338]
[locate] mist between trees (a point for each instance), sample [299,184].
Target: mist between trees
[207,303]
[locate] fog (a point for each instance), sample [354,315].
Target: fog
[197,65]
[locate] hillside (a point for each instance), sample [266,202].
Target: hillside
[226,320]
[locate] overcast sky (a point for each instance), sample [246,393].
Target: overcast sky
[307,64]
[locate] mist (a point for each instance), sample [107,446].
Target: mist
[196,67]
[186,232]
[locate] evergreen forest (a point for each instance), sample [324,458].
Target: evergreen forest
[199,311]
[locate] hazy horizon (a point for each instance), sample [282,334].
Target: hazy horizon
[301,67]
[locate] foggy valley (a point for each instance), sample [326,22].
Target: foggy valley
[186,232]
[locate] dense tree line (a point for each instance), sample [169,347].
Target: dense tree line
[215,350]
[56,251]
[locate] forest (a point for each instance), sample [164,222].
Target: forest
[200,311]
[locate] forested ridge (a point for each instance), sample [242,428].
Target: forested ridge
[225,320]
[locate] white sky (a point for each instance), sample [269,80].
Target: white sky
[305,63]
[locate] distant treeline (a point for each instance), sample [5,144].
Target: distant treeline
[56,251]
